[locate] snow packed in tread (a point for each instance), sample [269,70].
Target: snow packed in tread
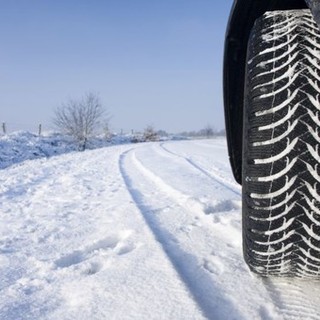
[281,172]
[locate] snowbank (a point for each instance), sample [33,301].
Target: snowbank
[23,145]
[19,146]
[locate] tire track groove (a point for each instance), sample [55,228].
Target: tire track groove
[297,299]
[205,172]
[212,303]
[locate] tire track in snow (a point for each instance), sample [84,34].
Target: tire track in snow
[210,175]
[185,200]
[105,264]
[296,299]
[198,255]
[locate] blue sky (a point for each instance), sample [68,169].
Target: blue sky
[153,62]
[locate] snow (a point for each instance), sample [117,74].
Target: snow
[23,145]
[131,231]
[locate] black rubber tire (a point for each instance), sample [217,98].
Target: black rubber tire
[281,171]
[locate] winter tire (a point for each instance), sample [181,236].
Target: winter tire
[281,170]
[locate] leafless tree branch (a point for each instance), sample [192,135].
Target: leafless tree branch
[80,119]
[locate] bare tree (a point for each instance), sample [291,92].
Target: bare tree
[150,134]
[80,118]
[208,131]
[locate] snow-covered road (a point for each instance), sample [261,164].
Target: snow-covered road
[145,231]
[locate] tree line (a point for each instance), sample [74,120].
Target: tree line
[83,118]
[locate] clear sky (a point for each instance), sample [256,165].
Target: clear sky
[153,62]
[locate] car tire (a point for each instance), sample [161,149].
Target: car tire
[281,170]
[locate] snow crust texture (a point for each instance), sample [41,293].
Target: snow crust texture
[144,231]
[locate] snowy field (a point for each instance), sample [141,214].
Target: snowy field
[135,231]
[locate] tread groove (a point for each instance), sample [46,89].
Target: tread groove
[281,176]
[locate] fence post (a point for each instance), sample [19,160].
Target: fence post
[40,129]
[4,129]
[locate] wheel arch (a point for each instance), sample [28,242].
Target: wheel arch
[243,15]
